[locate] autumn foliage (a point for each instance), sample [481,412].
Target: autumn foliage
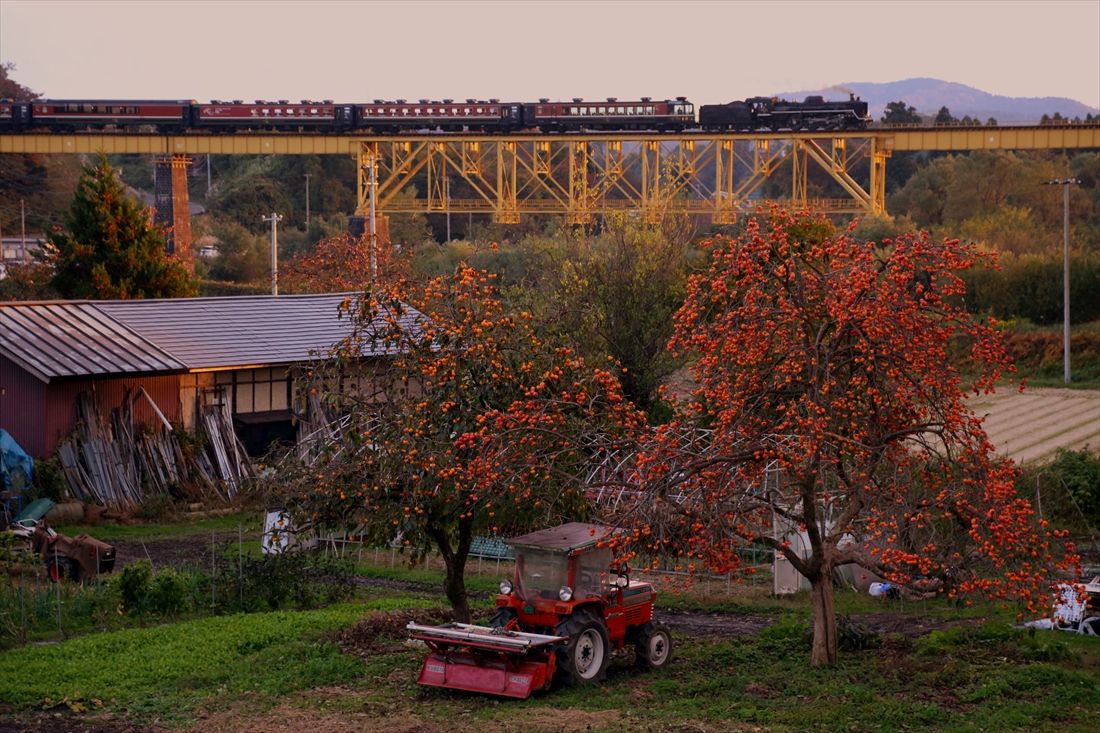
[825,403]
[472,427]
[339,264]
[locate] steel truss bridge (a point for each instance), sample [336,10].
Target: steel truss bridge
[582,176]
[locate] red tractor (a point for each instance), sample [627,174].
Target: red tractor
[557,621]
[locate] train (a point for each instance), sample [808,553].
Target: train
[765,114]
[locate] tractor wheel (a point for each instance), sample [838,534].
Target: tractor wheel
[59,568]
[653,646]
[583,659]
[505,618]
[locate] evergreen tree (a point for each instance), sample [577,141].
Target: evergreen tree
[944,117]
[109,249]
[899,113]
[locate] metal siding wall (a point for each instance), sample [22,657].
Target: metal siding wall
[61,402]
[23,407]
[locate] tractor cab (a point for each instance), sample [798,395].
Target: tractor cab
[570,563]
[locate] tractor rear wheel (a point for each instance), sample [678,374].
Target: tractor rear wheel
[653,646]
[583,659]
[59,568]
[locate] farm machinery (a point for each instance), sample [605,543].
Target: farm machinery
[557,621]
[76,558]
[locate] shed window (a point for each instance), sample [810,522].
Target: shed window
[257,390]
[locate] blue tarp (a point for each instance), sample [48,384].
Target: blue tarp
[16,467]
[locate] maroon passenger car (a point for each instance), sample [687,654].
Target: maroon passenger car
[612,114]
[75,114]
[281,115]
[399,115]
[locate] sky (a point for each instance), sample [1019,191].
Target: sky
[707,51]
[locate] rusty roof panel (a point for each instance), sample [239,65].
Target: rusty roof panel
[566,538]
[55,340]
[212,333]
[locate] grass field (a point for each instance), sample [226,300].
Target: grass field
[740,664]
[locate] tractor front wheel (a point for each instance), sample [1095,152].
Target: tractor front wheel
[583,659]
[653,647]
[59,568]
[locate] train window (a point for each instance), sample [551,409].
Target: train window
[479,110]
[649,110]
[572,110]
[690,108]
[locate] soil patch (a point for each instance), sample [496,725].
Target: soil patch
[174,552]
[722,624]
[384,632]
[58,722]
[715,624]
[908,626]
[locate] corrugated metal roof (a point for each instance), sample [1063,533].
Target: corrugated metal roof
[71,339]
[211,333]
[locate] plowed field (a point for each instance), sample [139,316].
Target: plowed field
[1032,425]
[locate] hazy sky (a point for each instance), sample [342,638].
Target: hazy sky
[707,51]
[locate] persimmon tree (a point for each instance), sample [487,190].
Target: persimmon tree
[431,453]
[340,263]
[826,404]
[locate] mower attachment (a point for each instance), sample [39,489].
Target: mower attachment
[487,660]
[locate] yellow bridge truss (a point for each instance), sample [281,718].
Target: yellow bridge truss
[584,175]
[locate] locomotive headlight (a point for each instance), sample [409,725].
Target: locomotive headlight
[506,587]
[566,593]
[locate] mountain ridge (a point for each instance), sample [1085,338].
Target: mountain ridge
[928,95]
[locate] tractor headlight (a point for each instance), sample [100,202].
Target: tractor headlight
[506,587]
[566,593]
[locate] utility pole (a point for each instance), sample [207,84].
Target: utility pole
[307,202]
[1065,183]
[274,219]
[447,200]
[209,176]
[373,252]
[23,227]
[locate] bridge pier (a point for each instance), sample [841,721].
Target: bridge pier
[172,206]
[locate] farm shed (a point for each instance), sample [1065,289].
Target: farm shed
[184,352]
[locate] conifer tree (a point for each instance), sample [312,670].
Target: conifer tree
[109,248]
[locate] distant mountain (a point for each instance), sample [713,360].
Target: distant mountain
[928,95]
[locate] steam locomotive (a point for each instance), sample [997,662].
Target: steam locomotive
[447,115]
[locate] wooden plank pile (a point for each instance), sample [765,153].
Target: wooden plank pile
[119,463]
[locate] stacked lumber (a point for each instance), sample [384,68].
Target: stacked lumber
[318,431]
[228,459]
[119,463]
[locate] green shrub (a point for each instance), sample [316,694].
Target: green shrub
[168,594]
[133,583]
[1030,287]
[1068,488]
[273,582]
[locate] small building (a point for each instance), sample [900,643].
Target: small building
[184,352]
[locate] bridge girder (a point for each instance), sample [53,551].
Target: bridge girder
[582,176]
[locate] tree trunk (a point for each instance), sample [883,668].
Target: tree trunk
[454,560]
[455,586]
[824,649]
